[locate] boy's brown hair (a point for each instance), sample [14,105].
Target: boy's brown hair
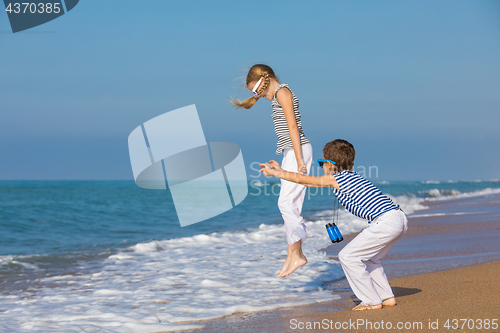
[341,152]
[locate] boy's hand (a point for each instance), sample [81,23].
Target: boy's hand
[268,169]
[275,165]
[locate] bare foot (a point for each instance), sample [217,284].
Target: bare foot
[287,262]
[297,258]
[362,307]
[285,266]
[389,302]
[295,263]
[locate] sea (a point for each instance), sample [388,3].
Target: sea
[108,256]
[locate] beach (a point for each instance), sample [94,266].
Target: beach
[444,273]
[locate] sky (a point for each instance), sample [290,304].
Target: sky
[413,85]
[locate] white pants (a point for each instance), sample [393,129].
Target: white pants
[360,259]
[292,196]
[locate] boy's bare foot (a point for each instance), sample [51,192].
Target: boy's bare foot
[389,302]
[362,307]
[285,266]
[295,263]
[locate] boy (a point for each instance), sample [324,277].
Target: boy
[360,259]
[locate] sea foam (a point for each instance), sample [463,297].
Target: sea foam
[154,286]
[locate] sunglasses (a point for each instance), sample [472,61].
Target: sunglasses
[322,161]
[254,90]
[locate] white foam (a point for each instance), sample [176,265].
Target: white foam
[154,286]
[409,204]
[5,260]
[454,194]
[437,193]
[14,260]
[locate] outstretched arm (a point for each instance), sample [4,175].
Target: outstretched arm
[273,169]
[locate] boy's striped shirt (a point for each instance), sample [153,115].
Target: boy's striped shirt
[360,197]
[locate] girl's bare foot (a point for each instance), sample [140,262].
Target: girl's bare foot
[389,302]
[297,258]
[362,307]
[287,262]
[294,264]
[285,265]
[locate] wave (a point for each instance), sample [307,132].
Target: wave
[437,194]
[156,285]
[409,203]
[7,260]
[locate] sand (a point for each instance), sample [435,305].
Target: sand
[464,298]
[445,274]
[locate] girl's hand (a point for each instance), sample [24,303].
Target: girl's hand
[301,166]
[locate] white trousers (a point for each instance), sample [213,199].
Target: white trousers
[292,196]
[360,259]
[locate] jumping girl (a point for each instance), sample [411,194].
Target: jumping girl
[297,155]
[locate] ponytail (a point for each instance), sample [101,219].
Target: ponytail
[247,103]
[254,74]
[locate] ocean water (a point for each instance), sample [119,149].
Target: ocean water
[98,256]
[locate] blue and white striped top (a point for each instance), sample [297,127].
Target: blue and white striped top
[281,125]
[361,197]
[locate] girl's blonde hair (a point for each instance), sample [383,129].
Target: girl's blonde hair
[254,74]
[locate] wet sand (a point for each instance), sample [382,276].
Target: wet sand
[445,267]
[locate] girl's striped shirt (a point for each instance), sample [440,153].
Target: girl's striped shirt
[360,197]
[280,124]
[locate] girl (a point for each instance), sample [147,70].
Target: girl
[297,155]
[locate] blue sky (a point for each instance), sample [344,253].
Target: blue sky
[414,85]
